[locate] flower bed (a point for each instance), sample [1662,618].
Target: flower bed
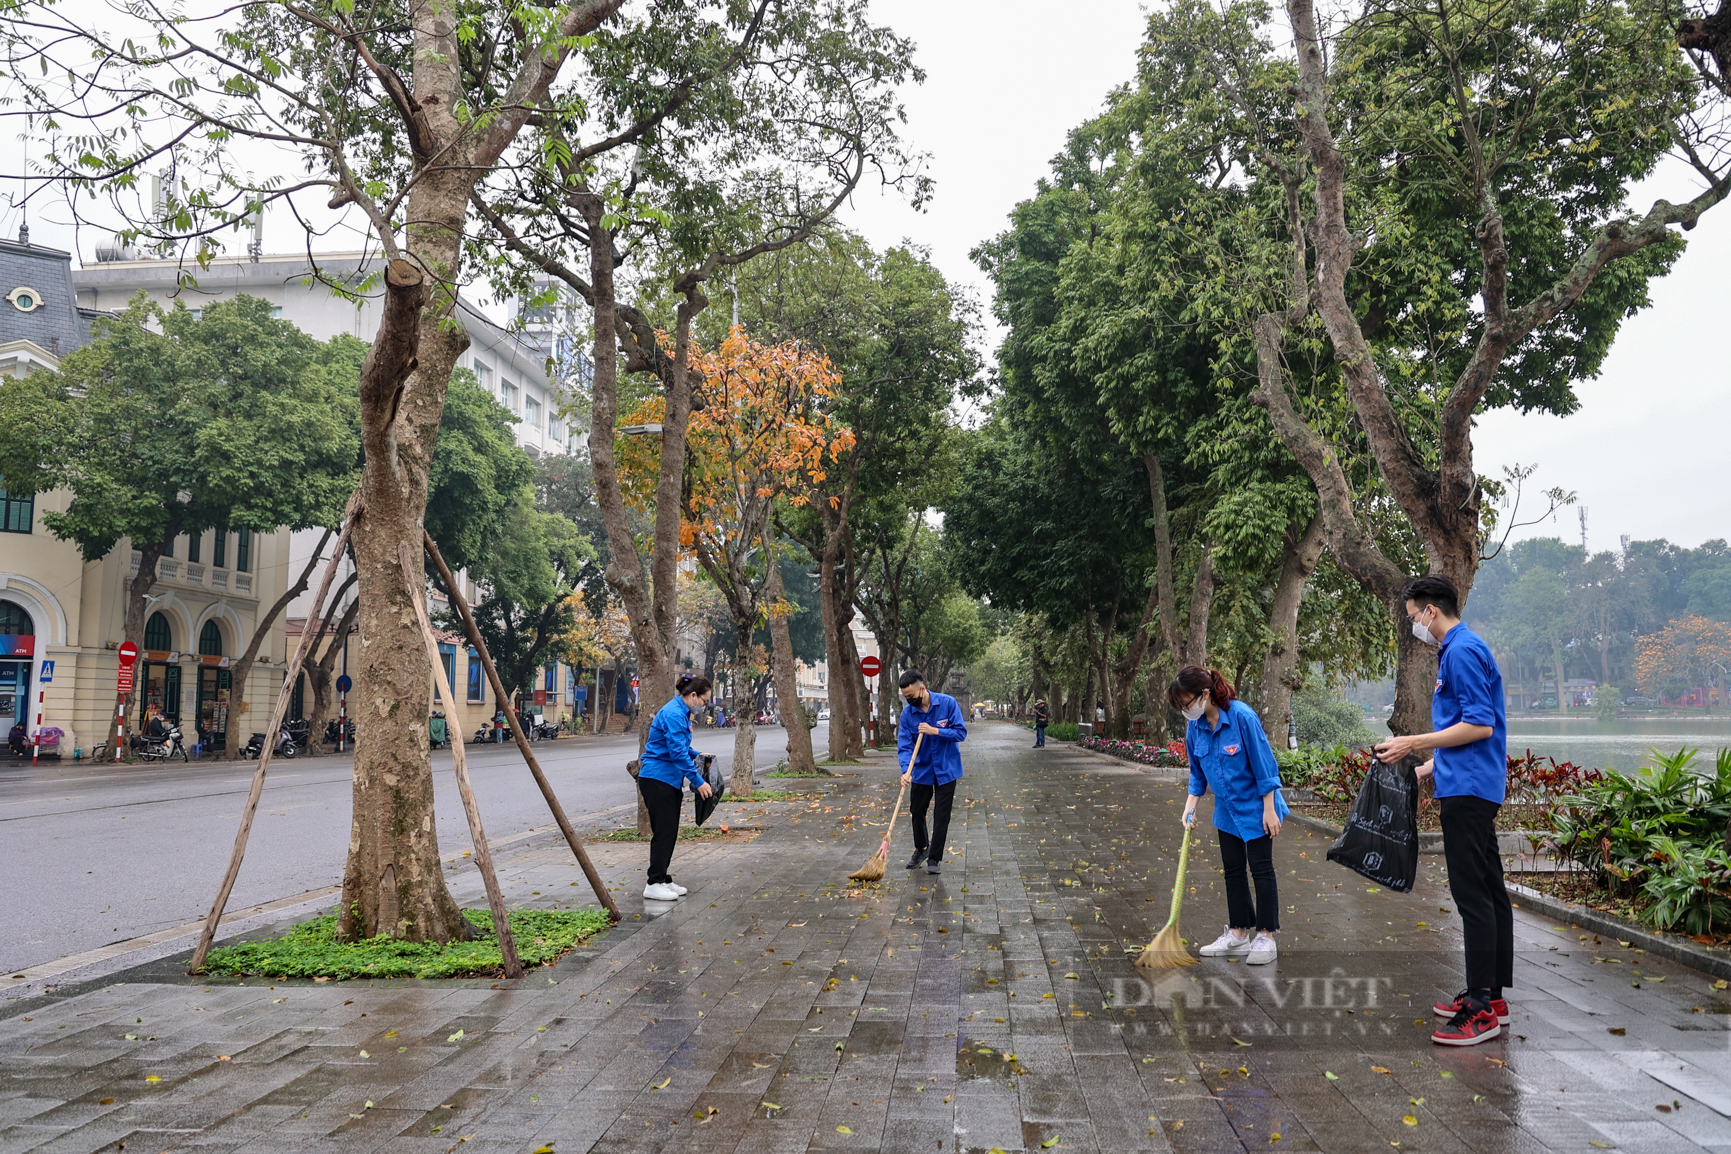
[1168,756]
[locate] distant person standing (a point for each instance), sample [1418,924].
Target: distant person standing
[1042,718]
[1470,739]
[939,719]
[668,764]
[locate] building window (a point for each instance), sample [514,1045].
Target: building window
[243,551]
[157,634]
[219,549]
[17,514]
[551,685]
[210,640]
[448,658]
[552,424]
[484,376]
[475,674]
[508,396]
[532,412]
[14,621]
[193,542]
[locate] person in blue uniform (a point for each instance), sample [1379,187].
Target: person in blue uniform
[668,764]
[1230,754]
[1470,758]
[939,718]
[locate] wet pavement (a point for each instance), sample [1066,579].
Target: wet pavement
[776,1009]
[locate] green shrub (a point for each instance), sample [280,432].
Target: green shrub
[1329,721]
[313,951]
[1607,699]
[1062,731]
[1659,834]
[1299,767]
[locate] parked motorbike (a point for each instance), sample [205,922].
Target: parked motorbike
[544,729]
[285,745]
[164,748]
[332,731]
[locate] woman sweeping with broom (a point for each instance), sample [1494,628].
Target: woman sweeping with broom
[1230,755]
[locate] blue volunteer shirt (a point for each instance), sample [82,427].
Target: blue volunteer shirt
[1469,688]
[940,759]
[667,754]
[1236,762]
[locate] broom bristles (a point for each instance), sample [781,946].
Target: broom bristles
[1166,952]
[873,869]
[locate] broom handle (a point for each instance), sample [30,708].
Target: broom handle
[897,812]
[1178,887]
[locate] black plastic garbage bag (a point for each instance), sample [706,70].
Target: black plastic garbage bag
[1380,840]
[717,785]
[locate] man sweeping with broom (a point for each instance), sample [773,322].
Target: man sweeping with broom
[935,721]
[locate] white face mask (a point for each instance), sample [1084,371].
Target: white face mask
[1423,634]
[1194,711]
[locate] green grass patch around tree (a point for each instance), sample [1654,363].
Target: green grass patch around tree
[790,773]
[313,951]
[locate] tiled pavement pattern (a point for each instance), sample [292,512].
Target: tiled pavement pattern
[994,1008]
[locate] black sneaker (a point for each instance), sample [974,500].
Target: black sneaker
[919,856]
[934,868]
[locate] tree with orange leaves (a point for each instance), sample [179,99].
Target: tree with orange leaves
[765,435]
[1689,653]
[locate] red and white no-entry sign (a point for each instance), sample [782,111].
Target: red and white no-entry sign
[870,666]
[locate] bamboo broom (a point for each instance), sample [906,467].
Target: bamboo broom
[1167,951]
[873,869]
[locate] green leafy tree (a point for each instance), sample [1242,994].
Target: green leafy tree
[170,423]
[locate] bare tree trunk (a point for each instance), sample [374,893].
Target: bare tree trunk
[1562,690]
[1281,676]
[745,708]
[799,755]
[1201,600]
[853,736]
[393,884]
[261,630]
[319,673]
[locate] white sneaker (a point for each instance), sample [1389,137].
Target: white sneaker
[1226,945]
[1262,951]
[660,892]
[678,889]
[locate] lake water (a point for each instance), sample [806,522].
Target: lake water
[1621,744]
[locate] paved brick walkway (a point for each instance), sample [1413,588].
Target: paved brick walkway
[776,1010]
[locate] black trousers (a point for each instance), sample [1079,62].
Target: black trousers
[1243,860]
[922,796]
[663,802]
[1469,826]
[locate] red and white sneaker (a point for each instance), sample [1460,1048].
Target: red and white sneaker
[1468,1028]
[1451,1008]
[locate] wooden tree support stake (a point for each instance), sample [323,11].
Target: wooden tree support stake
[462,604]
[483,856]
[208,935]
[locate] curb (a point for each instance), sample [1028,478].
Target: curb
[1709,960]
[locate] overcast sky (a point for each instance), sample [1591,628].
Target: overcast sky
[1006,80]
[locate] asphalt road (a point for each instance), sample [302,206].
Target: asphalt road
[99,853]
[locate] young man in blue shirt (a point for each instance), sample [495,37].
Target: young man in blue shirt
[939,718]
[1470,740]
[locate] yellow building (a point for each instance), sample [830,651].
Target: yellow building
[59,610]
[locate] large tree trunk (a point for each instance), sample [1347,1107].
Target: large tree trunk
[393,884]
[1281,675]
[799,755]
[853,682]
[744,708]
[1562,690]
